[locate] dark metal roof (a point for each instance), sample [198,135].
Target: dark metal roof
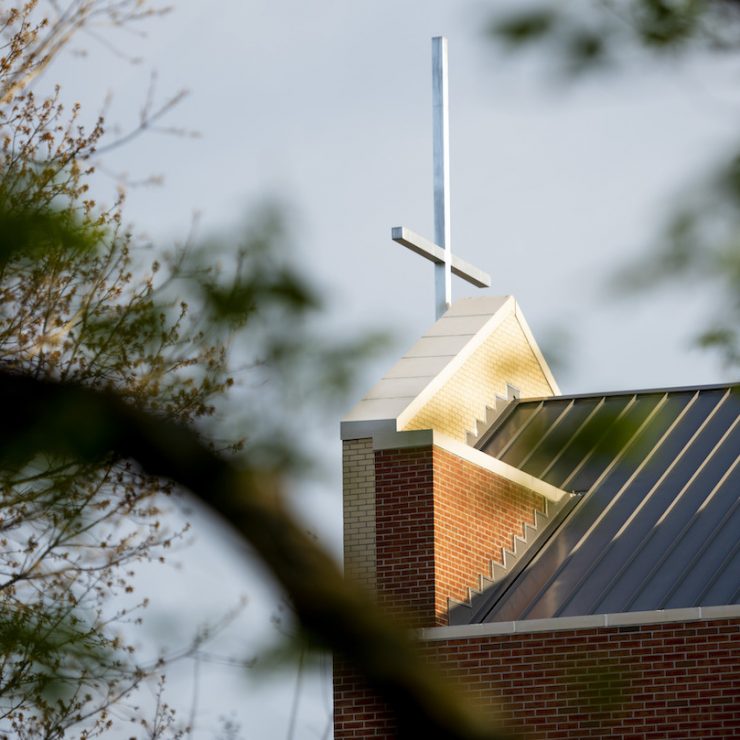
[657,523]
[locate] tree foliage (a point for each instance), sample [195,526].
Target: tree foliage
[74,306]
[699,244]
[107,379]
[249,498]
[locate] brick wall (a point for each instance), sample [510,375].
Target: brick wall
[404,520]
[476,515]
[671,680]
[440,520]
[504,357]
[358,484]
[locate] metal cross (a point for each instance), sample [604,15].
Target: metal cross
[441,252]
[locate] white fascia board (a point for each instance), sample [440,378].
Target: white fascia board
[364,429]
[500,468]
[536,350]
[623,619]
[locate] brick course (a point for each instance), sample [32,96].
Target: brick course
[655,681]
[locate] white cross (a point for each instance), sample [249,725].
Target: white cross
[441,252]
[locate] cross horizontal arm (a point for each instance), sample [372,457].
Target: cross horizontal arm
[471,273]
[436,254]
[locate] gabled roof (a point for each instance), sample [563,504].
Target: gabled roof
[656,522]
[464,359]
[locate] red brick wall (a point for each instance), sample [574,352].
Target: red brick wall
[673,680]
[476,514]
[358,713]
[404,526]
[440,520]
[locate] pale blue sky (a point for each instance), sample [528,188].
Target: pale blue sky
[326,106]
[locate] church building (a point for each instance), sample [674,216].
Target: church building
[572,561]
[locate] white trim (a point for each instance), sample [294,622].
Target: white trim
[366,428]
[536,350]
[387,439]
[623,619]
[509,472]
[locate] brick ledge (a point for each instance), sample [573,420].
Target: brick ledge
[388,439]
[659,616]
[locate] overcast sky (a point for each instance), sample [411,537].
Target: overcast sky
[326,107]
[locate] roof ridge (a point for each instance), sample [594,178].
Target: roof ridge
[635,391]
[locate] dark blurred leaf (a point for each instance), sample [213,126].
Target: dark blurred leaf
[724,339]
[699,247]
[728,180]
[256,290]
[58,642]
[585,48]
[661,23]
[583,37]
[33,233]
[524,27]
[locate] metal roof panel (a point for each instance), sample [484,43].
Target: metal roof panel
[658,524]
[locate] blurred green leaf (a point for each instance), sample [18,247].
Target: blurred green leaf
[585,49]
[32,233]
[524,27]
[667,23]
[699,244]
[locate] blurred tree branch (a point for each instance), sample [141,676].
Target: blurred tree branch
[35,39]
[69,421]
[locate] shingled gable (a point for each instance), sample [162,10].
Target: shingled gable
[456,370]
[561,571]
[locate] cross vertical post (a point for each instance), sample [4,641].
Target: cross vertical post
[441,159]
[440,251]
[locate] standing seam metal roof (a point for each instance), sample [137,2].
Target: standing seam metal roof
[657,524]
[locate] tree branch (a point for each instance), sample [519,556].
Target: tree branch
[66,419]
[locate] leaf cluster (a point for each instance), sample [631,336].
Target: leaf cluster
[699,243]
[581,38]
[700,247]
[84,302]
[78,304]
